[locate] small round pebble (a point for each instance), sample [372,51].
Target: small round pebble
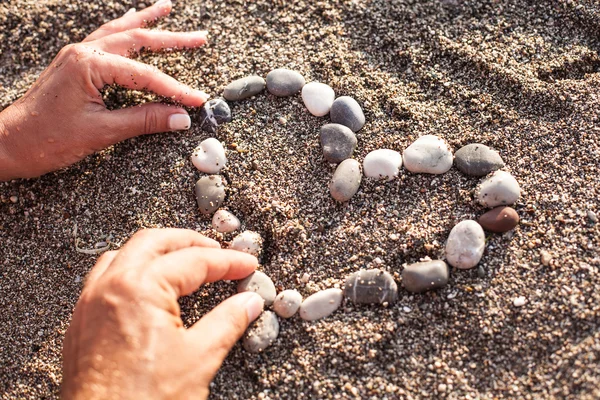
[248,242]
[209,156]
[210,193]
[519,301]
[261,333]
[346,180]
[465,244]
[382,163]
[283,82]
[225,222]
[499,189]
[287,303]
[499,220]
[321,304]
[318,98]
[477,159]
[429,154]
[260,283]
[338,142]
[346,111]
[427,275]
[214,113]
[244,88]
[372,286]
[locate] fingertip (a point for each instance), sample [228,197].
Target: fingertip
[252,303]
[165,6]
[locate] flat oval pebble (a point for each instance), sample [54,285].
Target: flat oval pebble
[429,154]
[209,156]
[477,159]
[248,242]
[284,82]
[465,244]
[321,304]
[244,88]
[371,286]
[382,163]
[261,333]
[346,111]
[338,142]
[225,222]
[499,189]
[214,113]
[427,275]
[500,219]
[346,180]
[260,283]
[318,98]
[287,303]
[210,193]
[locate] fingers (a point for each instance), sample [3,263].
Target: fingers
[186,269]
[124,42]
[101,265]
[132,20]
[110,68]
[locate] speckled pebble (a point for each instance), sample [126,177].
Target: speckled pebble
[261,333]
[477,159]
[210,193]
[321,304]
[429,154]
[499,220]
[260,283]
[248,242]
[346,180]
[346,111]
[318,98]
[372,286]
[284,82]
[499,189]
[287,303]
[209,156]
[382,163]
[427,275]
[338,142]
[214,113]
[465,245]
[225,222]
[244,88]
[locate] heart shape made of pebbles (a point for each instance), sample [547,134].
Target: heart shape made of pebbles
[429,154]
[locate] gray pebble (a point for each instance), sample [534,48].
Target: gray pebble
[476,159]
[423,276]
[284,82]
[346,180]
[214,113]
[321,304]
[371,286]
[592,216]
[499,189]
[287,303]
[244,88]
[465,245]
[338,142]
[346,111]
[260,283]
[261,333]
[210,193]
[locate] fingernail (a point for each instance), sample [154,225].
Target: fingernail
[253,304]
[179,122]
[203,95]
[160,3]
[130,11]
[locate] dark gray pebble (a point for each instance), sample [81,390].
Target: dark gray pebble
[426,275]
[214,113]
[371,286]
[244,88]
[261,333]
[346,111]
[284,82]
[210,193]
[338,142]
[477,160]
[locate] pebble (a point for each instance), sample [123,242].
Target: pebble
[244,88]
[225,222]
[214,113]
[372,286]
[429,154]
[284,82]
[14,199]
[209,156]
[338,142]
[346,111]
[465,244]
[346,180]
[321,304]
[318,98]
[210,193]
[260,283]
[248,242]
[519,301]
[500,219]
[545,258]
[382,163]
[287,303]
[477,159]
[427,275]
[590,214]
[499,189]
[261,333]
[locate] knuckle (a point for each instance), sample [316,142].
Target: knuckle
[151,121]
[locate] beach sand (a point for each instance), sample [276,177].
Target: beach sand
[519,76]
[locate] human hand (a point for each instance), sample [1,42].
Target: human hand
[126,338]
[62,117]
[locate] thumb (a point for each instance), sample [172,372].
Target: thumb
[148,118]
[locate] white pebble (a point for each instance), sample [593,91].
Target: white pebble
[465,245]
[429,154]
[223,221]
[318,98]
[382,163]
[248,242]
[499,189]
[209,156]
[519,301]
[321,304]
[287,303]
